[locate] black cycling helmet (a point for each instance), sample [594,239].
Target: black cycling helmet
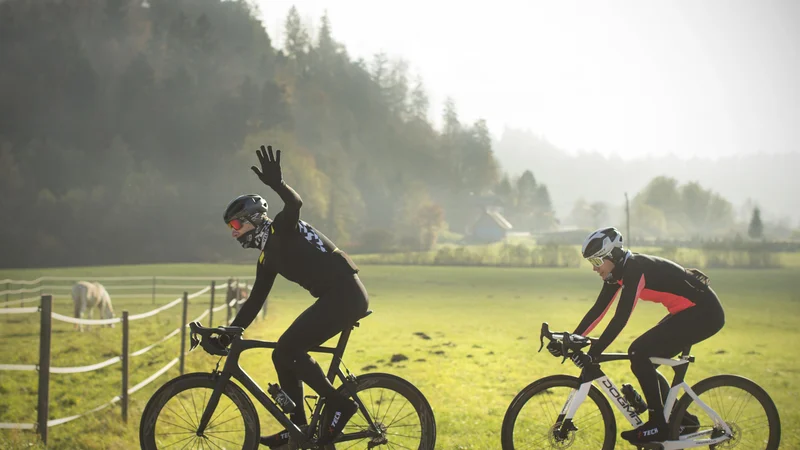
[248,207]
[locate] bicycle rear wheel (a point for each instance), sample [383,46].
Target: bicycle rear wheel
[531,421]
[402,416]
[743,405]
[173,413]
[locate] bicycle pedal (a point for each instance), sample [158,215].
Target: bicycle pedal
[648,445]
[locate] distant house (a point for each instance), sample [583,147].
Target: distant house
[490,226]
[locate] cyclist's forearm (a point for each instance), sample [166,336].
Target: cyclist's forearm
[258,295]
[291,199]
[597,311]
[624,310]
[591,319]
[248,312]
[611,332]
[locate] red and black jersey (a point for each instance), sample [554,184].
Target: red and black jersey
[648,278]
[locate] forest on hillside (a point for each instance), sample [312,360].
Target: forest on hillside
[126,126]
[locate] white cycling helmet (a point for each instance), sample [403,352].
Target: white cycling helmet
[605,243]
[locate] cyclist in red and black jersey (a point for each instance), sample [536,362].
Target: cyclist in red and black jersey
[695,314]
[300,253]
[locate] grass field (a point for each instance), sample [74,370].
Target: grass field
[484,324]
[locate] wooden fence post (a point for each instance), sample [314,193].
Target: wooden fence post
[228,300]
[125,358]
[211,307]
[183,327]
[236,296]
[45,329]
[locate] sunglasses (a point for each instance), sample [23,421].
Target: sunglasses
[236,224]
[597,262]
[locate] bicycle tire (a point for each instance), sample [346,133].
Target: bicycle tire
[409,392]
[543,384]
[152,410]
[735,381]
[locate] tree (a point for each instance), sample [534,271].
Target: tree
[297,39]
[161,108]
[396,89]
[662,193]
[479,170]
[325,42]
[419,104]
[756,228]
[418,219]
[505,192]
[526,192]
[451,124]
[687,210]
[589,215]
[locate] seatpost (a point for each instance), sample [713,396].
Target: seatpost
[338,353]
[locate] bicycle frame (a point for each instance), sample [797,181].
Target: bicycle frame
[595,375]
[231,369]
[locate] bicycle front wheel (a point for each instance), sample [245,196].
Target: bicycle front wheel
[742,404]
[532,419]
[171,417]
[401,416]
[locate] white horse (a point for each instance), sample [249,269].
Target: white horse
[86,296]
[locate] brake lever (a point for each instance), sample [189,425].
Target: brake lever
[564,347]
[544,333]
[194,341]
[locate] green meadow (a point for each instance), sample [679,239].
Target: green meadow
[483,324]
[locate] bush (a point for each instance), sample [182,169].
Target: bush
[751,259]
[378,240]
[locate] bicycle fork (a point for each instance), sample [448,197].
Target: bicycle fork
[220,382]
[564,425]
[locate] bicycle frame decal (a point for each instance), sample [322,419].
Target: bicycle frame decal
[565,409]
[619,401]
[576,399]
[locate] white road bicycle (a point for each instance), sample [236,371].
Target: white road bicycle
[561,411]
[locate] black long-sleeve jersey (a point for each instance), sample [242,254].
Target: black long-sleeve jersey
[298,252]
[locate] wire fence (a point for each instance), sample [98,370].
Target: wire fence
[47,315]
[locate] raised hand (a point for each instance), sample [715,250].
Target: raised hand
[270,173]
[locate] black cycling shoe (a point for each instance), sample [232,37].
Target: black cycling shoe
[651,431]
[276,440]
[689,424]
[336,414]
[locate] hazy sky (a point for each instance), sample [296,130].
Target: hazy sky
[633,78]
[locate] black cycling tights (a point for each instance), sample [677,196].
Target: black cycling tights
[332,313]
[666,340]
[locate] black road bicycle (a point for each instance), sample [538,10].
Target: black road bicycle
[209,411]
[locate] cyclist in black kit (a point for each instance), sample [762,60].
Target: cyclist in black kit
[695,314]
[300,253]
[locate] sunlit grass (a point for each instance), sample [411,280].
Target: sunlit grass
[483,325]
